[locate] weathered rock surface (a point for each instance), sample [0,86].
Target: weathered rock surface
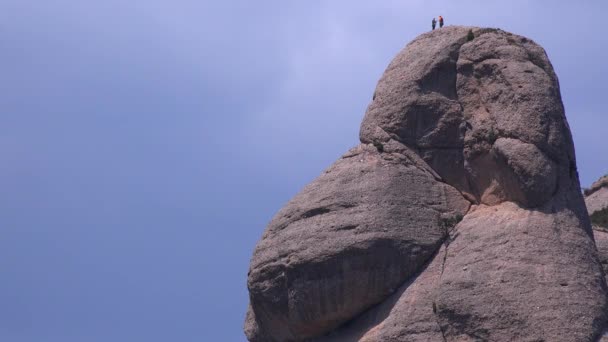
[347,241]
[408,315]
[601,242]
[508,274]
[385,246]
[597,197]
[451,100]
[597,205]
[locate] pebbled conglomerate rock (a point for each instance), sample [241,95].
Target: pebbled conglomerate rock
[459,217]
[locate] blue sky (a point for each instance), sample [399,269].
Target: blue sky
[144,145]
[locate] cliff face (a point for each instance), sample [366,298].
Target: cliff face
[596,199]
[459,217]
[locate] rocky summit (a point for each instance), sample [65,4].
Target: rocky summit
[459,216]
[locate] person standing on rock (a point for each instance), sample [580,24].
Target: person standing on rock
[440,21]
[434,23]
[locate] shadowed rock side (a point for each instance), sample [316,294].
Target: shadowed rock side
[407,315]
[375,249]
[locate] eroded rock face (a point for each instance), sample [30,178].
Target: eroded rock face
[509,270]
[385,245]
[485,114]
[596,200]
[348,241]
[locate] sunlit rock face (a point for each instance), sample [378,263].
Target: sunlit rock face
[459,217]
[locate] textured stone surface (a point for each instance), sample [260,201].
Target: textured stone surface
[480,113]
[601,242]
[408,315]
[374,249]
[597,196]
[597,205]
[347,241]
[513,274]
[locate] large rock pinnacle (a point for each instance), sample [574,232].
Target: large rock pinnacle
[459,217]
[485,114]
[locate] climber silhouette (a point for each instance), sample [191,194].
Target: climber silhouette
[434,23]
[440,21]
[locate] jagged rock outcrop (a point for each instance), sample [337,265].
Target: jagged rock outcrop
[458,218]
[596,198]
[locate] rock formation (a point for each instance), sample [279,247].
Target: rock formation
[597,203]
[459,217]
[597,206]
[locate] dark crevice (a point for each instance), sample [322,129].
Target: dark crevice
[315,212]
[350,155]
[325,210]
[446,242]
[445,256]
[349,227]
[441,329]
[440,148]
[456,58]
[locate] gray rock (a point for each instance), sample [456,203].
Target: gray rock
[408,315]
[346,242]
[374,250]
[513,274]
[597,196]
[597,205]
[416,103]
[601,242]
[450,100]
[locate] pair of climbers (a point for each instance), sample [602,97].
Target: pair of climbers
[434,22]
